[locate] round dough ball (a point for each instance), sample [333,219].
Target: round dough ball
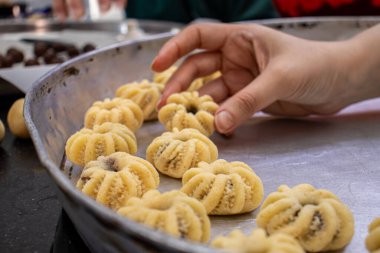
[112,180]
[2,130]
[224,188]
[315,217]
[372,242]
[15,118]
[257,242]
[172,212]
[173,153]
[189,110]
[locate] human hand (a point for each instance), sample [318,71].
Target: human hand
[75,9]
[263,69]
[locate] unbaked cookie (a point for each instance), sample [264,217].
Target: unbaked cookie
[15,119]
[372,242]
[224,187]
[117,110]
[164,76]
[171,212]
[188,110]
[88,144]
[112,180]
[146,94]
[257,242]
[316,217]
[173,153]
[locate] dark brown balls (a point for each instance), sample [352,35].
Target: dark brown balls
[3,62]
[88,47]
[40,48]
[72,51]
[49,55]
[16,54]
[58,47]
[31,62]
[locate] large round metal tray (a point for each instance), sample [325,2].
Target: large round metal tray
[339,153]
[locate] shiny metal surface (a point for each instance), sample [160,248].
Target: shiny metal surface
[339,153]
[122,27]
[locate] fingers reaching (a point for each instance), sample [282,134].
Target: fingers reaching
[192,37]
[257,95]
[197,65]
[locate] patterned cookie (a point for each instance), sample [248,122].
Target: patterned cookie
[112,180]
[173,153]
[164,76]
[316,217]
[188,110]
[145,94]
[171,212]
[257,242]
[117,110]
[372,242]
[88,144]
[224,188]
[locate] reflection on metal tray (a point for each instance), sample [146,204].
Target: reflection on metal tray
[339,153]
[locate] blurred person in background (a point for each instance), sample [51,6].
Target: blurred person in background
[186,11]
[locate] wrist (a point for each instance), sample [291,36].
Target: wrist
[362,66]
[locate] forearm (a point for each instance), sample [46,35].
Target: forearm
[364,64]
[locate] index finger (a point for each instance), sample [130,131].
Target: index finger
[204,36]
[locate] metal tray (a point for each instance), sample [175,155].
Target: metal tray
[339,153]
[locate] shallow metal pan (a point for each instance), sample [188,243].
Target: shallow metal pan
[339,153]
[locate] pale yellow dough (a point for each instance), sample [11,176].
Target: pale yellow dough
[88,144]
[372,241]
[2,130]
[173,153]
[145,94]
[257,242]
[223,187]
[117,110]
[188,110]
[315,217]
[171,212]
[15,119]
[164,76]
[112,180]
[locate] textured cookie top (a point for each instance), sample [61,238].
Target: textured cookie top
[164,76]
[316,217]
[372,241]
[174,152]
[224,187]
[88,144]
[172,212]
[145,94]
[257,242]
[189,110]
[117,110]
[112,180]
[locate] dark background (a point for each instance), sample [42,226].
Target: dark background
[31,217]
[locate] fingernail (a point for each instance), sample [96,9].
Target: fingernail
[224,121]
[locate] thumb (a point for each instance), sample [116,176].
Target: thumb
[257,95]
